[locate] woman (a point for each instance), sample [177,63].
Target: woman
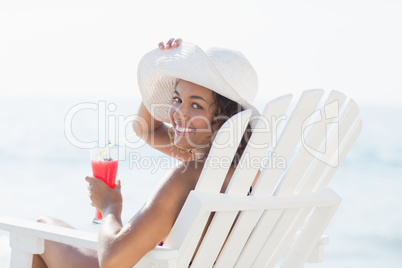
[194,91]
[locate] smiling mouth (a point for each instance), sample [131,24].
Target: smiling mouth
[184,130]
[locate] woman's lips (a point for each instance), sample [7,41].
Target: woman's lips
[181,130]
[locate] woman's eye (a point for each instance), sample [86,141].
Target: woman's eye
[196,106]
[176,99]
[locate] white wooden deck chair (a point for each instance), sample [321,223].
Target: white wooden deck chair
[281,223]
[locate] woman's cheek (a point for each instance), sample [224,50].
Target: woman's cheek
[202,122]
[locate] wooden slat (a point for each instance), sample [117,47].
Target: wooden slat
[275,237]
[309,236]
[270,177]
[288,140]
[240,183]
[214,239]
[305,106]
[317,176]
[314,139]
[258,146]
[279,251]
[344,149]
[258,237]
[292,179]
[237,239]
[224,147]
[188,228]
[222,202]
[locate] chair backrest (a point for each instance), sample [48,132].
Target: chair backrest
[295,150]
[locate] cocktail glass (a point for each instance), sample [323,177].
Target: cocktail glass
[104,162]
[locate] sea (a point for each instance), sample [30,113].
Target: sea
[44,158]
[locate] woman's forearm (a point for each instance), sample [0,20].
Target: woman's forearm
[123,246]
[144,123]
[108,239]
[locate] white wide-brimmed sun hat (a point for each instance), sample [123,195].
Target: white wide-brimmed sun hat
[225,71]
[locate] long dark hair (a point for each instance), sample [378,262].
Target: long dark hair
[226,108]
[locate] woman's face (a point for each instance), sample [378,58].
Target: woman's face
[191,113]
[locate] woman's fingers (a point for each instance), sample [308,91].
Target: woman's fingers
[171,43]
[161,45]
[177,42]
[91,182]
[90,179]
[118,184]
[101,194]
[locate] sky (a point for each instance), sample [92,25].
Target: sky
[92,48]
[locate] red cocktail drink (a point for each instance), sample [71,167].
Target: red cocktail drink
[104,168]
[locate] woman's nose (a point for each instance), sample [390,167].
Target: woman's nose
[180,113]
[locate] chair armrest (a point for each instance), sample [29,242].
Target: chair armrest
[27,238]
[48,232]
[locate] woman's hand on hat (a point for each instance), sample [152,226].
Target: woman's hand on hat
[171,43]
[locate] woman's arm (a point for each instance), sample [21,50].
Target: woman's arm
[124,246]
[152,131]
[155,132]
[144,123]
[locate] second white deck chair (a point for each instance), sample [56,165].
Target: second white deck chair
[281,223]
